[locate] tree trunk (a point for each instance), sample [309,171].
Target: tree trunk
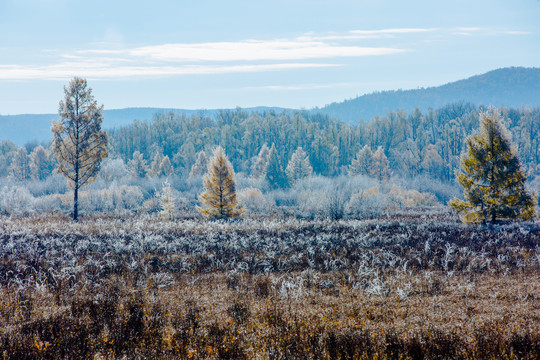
[76,204]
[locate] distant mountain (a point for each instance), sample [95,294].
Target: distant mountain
[29,127]
[511,87]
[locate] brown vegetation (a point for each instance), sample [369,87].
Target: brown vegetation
[402,287]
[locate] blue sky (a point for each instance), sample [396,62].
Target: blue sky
[223,54]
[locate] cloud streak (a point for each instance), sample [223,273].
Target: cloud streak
[247,56]
[96,71]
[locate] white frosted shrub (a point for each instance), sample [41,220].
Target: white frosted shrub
[49,203]
[254,202]
[366,203]
[16,200]
[399,198]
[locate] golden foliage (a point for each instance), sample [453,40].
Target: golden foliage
[219,198]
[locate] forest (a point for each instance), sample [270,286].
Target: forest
[418,153]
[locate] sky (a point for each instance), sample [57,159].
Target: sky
[209,54]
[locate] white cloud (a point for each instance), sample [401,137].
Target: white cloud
[96,71]
[249,50]
[172,59]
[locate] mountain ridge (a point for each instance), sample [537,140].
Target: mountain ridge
[510,87]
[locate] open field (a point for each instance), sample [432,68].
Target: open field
[388,288]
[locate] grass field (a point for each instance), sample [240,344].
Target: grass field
[402,287]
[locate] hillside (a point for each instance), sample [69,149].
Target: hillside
[511,87]
[29,127]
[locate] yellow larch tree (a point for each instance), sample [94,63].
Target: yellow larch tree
[219,197]
[78,141]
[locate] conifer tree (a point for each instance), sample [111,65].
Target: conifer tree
[219,197]
[274,171]
[492,177]
[380,166]
[299,166]
[362,163]
[78,141]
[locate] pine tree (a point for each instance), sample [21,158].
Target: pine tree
[219,196]
[380,167]
[200,165]
[299,166]
[275,176]
[78,141]
[492,177]
[362,163]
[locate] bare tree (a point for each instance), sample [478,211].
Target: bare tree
[78,141]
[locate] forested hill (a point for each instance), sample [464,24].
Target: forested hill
[511,87]
[29,127]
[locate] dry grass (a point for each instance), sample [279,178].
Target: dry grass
[395,288]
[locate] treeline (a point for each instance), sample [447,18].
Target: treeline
[295,163]
[419,143]
[425,144]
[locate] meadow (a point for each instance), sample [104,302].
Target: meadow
[411,286]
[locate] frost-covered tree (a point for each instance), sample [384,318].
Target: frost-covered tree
[492,177]
[165,168]
[219,197]
[362,163]
[155,165]
[432,162]
[275,176]
[200,165]
[299,166]
[137,165]
[380,166]
[261,162]
[41,164]
[78,141]
[166,202]
[20,165]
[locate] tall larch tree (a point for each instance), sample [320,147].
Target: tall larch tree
[78,141]
[492,177]
[299,166]
[219,197]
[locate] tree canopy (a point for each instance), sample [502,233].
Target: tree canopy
[492,178]
[78,141]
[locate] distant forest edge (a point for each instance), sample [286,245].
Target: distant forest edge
[510,87]
[417,143]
